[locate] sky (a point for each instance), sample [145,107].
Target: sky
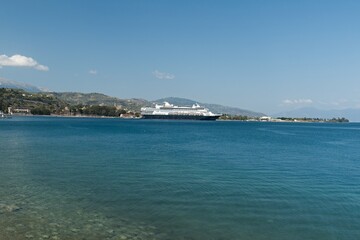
[265,56]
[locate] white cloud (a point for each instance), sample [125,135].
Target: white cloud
[297,101]
[163,75]
[93,72]
[41,68]
[21,61]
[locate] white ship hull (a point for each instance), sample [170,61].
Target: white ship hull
[181,117]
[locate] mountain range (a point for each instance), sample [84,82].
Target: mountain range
[134,104]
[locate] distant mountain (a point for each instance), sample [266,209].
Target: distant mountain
[5,83]
[352,114]
[76,98]
[215,108]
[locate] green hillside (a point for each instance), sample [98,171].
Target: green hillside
[40,103]
[75,98]
[93,104]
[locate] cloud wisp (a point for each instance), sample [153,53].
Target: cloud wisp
[21,61]
[93,71]
[297,101]
[163,75]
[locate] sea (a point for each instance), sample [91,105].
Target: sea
[95,178]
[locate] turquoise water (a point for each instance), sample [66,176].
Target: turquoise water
[70,178]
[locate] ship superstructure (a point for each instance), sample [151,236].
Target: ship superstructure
[169,111]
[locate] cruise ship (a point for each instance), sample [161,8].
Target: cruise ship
[169,111]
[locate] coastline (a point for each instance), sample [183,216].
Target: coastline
[140,118]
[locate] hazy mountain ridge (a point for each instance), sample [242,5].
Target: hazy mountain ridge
[215,108]
[5,83]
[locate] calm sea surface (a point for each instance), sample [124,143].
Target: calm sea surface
[69,178]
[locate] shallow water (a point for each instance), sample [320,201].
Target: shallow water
[69,178]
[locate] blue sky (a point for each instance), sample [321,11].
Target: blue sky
[266,56]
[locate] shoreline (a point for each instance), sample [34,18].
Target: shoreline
[139,118]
